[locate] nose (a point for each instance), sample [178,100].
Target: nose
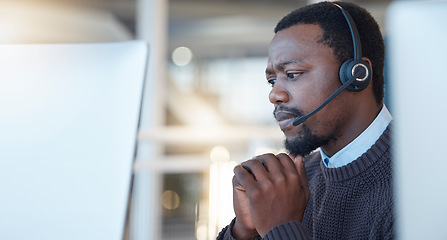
[278,95]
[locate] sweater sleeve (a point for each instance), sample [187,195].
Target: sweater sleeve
[225,234]
[288,231]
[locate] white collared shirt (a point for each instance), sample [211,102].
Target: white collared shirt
[360,144]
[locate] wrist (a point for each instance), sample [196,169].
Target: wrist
[241,232]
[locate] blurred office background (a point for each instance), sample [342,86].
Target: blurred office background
[205,107]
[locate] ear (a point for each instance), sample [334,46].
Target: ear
[370,66]
[370,86]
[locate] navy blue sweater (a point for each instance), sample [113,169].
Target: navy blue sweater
[350,202]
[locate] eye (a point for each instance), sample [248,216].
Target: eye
[292,75]
[271,81]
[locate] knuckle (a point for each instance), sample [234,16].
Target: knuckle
[294,177]
[234,169]
[280,179]
[234,180]
[267,155]
[237,168]
[249,162]
[255,193]
[267,187]
[282,155]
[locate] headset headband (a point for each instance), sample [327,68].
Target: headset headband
[354,33]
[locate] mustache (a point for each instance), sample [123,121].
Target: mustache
[295,111]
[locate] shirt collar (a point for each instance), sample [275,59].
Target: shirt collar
[360,144]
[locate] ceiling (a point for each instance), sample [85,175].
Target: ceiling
[235,28]
[216,28]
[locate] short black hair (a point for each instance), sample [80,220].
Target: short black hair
[336,34]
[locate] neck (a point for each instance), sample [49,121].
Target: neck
[352,128]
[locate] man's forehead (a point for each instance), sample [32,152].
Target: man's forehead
[295,44]
[286,62]
[279,65]
[304,31]
[299,36]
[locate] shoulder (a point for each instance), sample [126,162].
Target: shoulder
[382,226]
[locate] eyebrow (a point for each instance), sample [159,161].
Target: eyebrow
[282,64]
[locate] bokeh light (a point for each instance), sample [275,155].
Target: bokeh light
[182,56]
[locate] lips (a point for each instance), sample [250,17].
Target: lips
[285,119]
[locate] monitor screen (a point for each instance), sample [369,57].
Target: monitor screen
[417,37]
[69,115]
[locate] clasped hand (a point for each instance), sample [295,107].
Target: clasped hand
[268,190]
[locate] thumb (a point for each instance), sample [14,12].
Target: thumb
[299,165]
[297,161]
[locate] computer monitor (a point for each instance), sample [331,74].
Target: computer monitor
[69,115]
[417,37]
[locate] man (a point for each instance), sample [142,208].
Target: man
[344,189]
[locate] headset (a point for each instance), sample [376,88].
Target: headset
[355,74]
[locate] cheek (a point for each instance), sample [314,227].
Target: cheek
[324,85]
[332,116]
[305,95]
[310,95]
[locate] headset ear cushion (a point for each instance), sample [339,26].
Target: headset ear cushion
[346,72]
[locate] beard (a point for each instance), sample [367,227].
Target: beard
[304,143]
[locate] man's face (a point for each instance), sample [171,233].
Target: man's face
[303,73]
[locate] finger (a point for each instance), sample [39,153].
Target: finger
[256,168]
[243,177]
[239,188]
[237,185]
[299,164]
[247,172]
[292,156]
[270,162]
[287,163]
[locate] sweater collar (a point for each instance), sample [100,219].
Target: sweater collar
[376,153]
[360,144]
